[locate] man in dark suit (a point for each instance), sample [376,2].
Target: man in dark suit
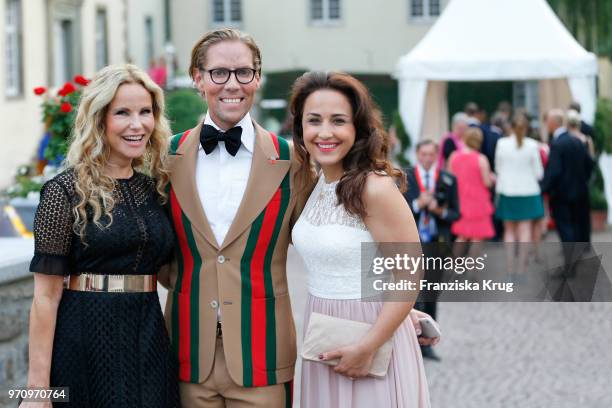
[566,180]
[432,196]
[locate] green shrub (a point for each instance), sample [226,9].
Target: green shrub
[403,138]
[596,191]
[603,126]
[184,108]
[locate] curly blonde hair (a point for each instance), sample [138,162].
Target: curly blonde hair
[88,153]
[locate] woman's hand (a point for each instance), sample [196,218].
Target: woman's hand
[415,315]
[355,360]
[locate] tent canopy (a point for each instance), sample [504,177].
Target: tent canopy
[496,40]
[492,40]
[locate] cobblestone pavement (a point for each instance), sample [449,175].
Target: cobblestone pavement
[523,355]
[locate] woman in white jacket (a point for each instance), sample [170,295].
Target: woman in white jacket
[519,200]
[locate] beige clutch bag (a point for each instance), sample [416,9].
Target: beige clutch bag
[327,333]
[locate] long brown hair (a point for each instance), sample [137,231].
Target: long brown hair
[368,154]
[520,126]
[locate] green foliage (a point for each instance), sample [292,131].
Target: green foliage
[588,21]
[24,183]
[184,108]
[60,123]
[603,126]
[59,113]
[403,137]
[603,144]
[56,149]
[596,191]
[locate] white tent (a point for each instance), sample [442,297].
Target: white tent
[493,40]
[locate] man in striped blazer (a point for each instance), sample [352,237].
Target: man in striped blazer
[233,201]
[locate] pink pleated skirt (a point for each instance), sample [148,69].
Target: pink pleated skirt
[404,386]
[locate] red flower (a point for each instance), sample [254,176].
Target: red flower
[66,107]
[81,80]
[40,90]
[67,89]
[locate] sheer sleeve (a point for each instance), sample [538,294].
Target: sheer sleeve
[52,231]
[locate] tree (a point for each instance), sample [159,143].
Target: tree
[588,21]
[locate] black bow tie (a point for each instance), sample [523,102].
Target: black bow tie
[210,137]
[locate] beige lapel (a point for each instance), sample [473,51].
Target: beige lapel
[182,177]
[265,177]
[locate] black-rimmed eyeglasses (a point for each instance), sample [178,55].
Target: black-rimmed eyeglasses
[221,75]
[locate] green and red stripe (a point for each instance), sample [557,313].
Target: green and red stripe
[177,140]
[185,299]
[288,394]
[258,303]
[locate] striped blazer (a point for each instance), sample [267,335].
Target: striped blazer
[244,275]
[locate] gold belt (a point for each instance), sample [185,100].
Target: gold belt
[89,282]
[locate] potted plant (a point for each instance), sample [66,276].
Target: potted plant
[58,116]
[599,205]
[603,145]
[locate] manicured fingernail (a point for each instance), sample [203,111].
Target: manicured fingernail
[320,356]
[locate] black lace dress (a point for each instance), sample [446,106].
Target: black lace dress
[110,349]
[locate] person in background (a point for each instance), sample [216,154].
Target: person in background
[471,109]
[454,139]
[574,127]
[432,196]
[566,180]
[585,128]
[539,227]
[501,124]
[158,71]
[519,168]
[474,178]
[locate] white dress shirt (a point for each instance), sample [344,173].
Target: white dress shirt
[425,175]
[221,178]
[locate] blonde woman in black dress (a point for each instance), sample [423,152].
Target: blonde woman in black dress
[101,227]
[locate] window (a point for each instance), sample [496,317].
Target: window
[13,61]
[101,39]
[326,11]
[64,57]
[526,94]
[227,12]
[149,48]
[424,9]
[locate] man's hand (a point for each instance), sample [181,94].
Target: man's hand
[424,199]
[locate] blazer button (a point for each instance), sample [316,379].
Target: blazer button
[220,259]
[214,304]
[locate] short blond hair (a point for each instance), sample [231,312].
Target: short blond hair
[473,137]
[198,53]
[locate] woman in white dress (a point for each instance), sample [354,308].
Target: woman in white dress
[356,199]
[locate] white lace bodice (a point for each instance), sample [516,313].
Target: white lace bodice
[329,239]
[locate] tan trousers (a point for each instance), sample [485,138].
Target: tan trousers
[219,390]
